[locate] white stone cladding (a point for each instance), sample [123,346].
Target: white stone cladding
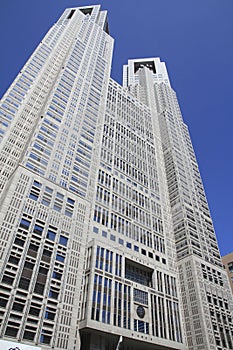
[105,230]
[206,300]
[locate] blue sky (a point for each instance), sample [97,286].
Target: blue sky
[195,40]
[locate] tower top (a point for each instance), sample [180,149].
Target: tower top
[94,11]
[158,69]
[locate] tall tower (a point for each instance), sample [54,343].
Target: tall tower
[206,300]
[106,237]
[51,123]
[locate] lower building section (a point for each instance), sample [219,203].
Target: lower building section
[41,262]
[207,305]
[98,340]
[126,296]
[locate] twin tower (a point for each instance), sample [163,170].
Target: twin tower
[106,237]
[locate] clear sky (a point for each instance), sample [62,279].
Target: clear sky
[193,37]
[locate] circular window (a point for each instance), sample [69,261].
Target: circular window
[140,311]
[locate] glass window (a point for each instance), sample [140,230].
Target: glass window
[63,240]
[140,326]
[45,202]
[70,201]
[38,229]
[140,296]
[143,251]
[68,213]
[49,315]
[53,294]
[24,223]
[95,229]
[57,208]
[104,234]
[14,260]
[33,196]
[34,311]
[19,242]
[57,275]
[37,184]
[230,266]
[59,195]
[51,235]
[48,189]
[60,258]
[45,339]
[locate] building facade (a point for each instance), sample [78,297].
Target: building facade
[106,236]
[227,261]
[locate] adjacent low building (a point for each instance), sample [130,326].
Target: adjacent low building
[227,261]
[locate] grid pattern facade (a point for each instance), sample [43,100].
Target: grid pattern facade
[128,213]
[41,276]
[49,124]
[203,282]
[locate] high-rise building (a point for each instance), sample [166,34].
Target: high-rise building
[106,237]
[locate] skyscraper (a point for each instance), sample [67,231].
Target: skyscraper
[106,236]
